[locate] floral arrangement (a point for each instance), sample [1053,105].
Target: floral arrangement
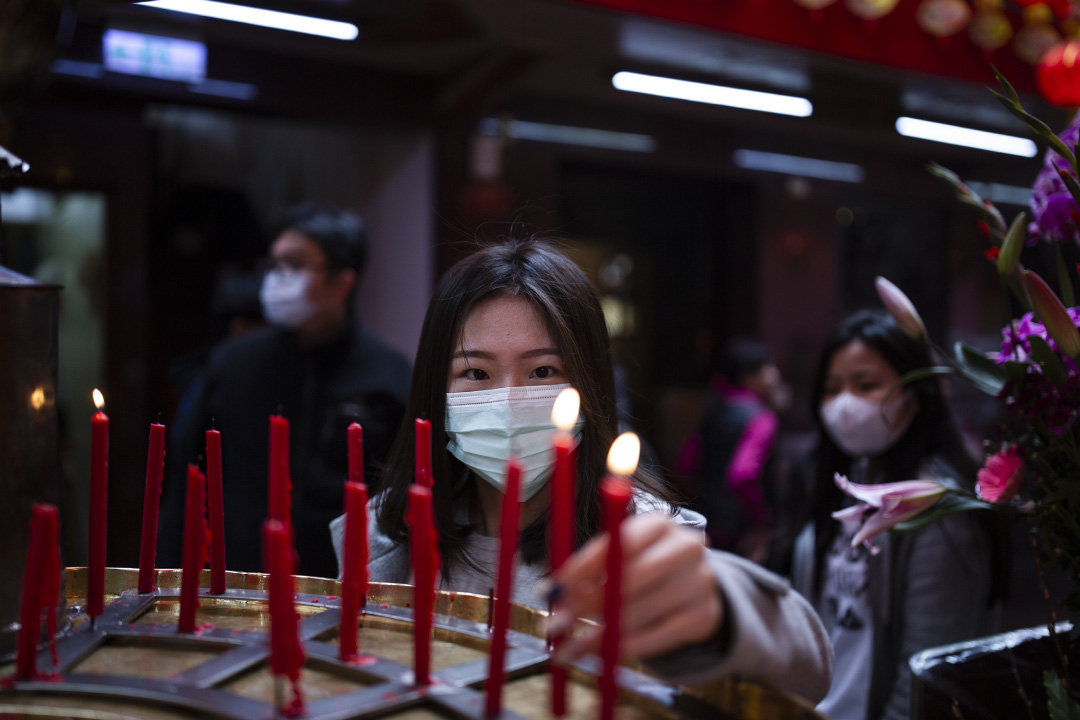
[1033,467]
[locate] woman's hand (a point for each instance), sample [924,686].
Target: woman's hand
[669,594]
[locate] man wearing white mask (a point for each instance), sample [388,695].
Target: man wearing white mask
[313,365]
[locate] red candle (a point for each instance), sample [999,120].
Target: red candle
[356,453]
[615,492]
[564,415]
[508,540]
[286,651]
[424,552]
[216,506]
[99,498]
[423,453]
[40,589]
[155,459]
[354,576]
[194,552]
[561,542]
[280,483]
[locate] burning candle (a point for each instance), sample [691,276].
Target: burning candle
[564,416]
[424,552]
[155,459]
[99,499]
[356,453]
[508,540]
[354,576]
[216,506]
[280,483]
[286,651]
[194,551]
[41,586]
[423,453]
[615,493]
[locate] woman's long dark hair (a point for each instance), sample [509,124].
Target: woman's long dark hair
[932,434]
[536,270]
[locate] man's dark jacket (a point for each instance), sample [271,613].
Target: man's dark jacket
[355,377]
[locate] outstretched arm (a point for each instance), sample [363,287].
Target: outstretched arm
[696,614]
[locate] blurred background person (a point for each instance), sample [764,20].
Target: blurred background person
[315,366]
[941,584]
[731,451]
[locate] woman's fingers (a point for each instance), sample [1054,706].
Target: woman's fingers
[669,593]
[579,581]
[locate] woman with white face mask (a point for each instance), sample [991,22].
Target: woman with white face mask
[935,586]
[507,328]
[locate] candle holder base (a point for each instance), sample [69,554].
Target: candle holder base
[135,662]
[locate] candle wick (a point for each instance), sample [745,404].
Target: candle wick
[551,605]
[159,417]
[491,604]
[213,422]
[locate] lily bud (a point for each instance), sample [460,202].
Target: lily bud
[885,505]
[902,309]
[1014,243]
[1051,312]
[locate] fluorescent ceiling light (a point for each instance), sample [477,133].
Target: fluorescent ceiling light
[712,94]
[569,135]
[258,16]
[965,137]
[796,165]
[998,193]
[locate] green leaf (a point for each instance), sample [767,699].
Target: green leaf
[1064,282]
[1014,369]
[919,374]
[1058,703]
[951,503]
[982,371]
[1051,363]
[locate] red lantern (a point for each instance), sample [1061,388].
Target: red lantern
[1058,74]
[942,18]
[989,29]
[815,4]
[871,9]
[1060,8]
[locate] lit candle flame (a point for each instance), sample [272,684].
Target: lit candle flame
[564,414]
[99,399]
[622,459]
[37,398]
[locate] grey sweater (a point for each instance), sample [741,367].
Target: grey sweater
[776,638]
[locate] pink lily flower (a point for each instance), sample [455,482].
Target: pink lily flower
[901,308]
[885,505]
[1001,477]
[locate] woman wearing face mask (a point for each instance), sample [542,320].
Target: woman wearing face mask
[935,586]
[507,329]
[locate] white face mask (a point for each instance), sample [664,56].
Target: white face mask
[488,426]
[284,298]
[864,428]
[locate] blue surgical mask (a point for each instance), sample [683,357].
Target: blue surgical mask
[486,427]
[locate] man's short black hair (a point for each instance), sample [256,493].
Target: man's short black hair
[341,234]
[743,357]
